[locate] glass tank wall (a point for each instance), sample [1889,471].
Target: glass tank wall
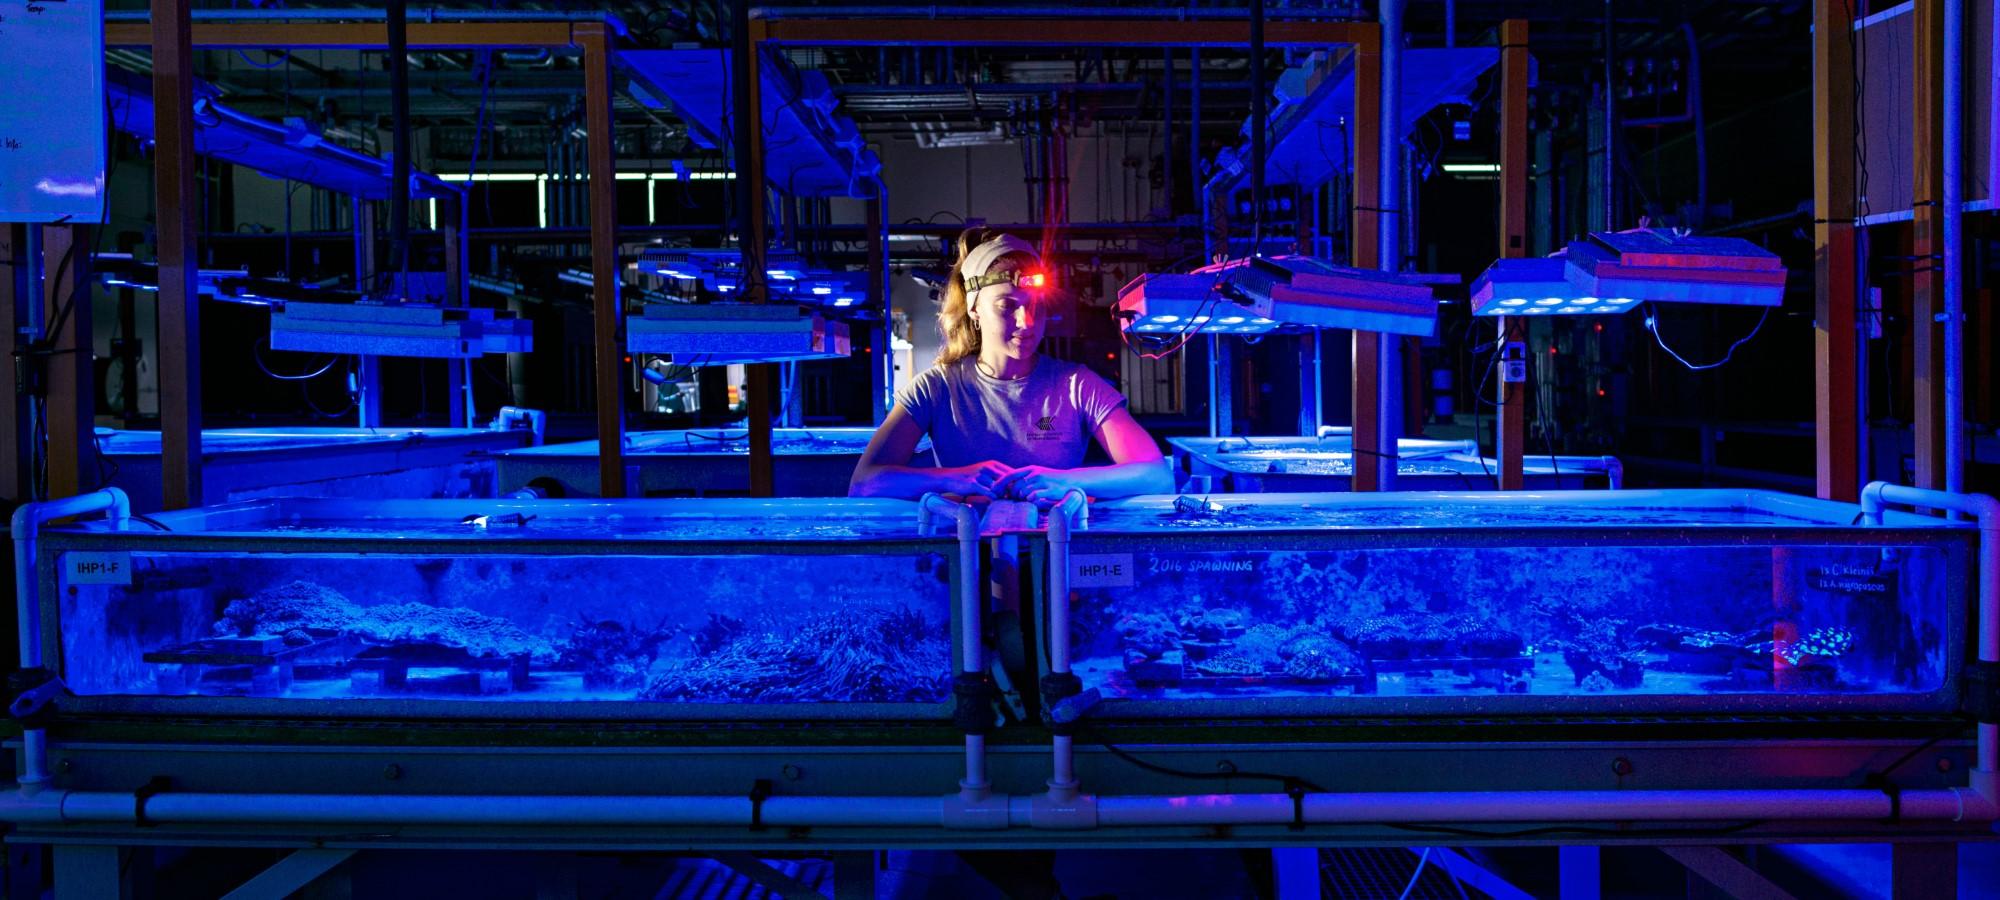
[358,463]
[1254,465]
[764,606]
[807,462]
[1235,606]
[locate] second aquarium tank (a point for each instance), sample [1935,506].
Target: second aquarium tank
[1513,602]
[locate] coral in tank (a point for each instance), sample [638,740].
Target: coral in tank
[450,626]
[891,656]
[299,605]
[716,633]
[1820,643]
[1229,666]
[610,655]
[1603,646]
[1382,637]
[1149,635]
[1703,650]
[1264,644]
[1212,624]
[1209,633]
[1321,658]
[302,606]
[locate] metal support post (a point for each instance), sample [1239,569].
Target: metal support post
[69,415]
[1364,241]
[606,310]
[1927,243]
[1836,402]
[367,385]
[175,201]
[746,88]
[1510,425]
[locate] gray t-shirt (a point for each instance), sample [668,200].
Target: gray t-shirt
[1045,419]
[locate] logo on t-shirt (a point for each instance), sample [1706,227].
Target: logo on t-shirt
[1046,423]
[1045,430]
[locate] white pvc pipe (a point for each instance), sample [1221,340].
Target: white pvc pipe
[27,526]
[1062,769]
[85,807]
[1953,804]
[972,657]
[53,807]
[1072,512]
[1986,511]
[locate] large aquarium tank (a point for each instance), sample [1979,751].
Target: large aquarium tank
[305,461]
[1257,465]
[693,462]
[1624,601]
[683,608]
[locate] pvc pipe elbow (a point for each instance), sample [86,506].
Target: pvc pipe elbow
[962,513]
[30,517]
[1871,501]
[1071,513]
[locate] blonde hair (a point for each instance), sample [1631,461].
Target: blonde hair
[955,319]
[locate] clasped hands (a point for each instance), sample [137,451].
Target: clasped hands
[994,480]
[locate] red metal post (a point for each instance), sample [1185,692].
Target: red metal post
[1836,400]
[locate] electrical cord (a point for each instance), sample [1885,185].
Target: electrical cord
[283,58]
[149,520]
[1955,728]
[1098,738]
[257,353]
[1652,325]
[305,392]
[1295,781]
[1479,397]
[1576,829]
[1416,875]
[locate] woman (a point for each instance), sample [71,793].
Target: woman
[1005,422]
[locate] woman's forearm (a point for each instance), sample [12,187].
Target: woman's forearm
[1125,479]
[899,482]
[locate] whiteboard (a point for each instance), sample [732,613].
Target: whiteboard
[52,110]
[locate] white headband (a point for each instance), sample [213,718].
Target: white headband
[985,255]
